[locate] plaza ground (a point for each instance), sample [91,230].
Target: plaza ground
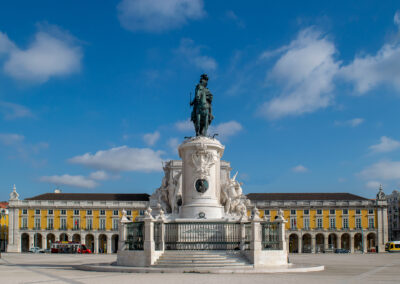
[47,268]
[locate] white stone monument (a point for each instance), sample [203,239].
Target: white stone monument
[201,187]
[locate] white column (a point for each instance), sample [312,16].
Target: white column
[339,241]
[300,244]
[96,243]
[352,243]
[149,246]
[109,244]
[313,244]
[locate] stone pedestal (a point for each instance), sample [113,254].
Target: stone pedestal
[201,178]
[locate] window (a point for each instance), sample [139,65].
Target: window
[89,224]
[293,212]
[37,211]
[141,212]
[76,223]
[319,223]
[102,212]
[115,224]
[319,211]
[50,212]
[76,212]
[306,212]
[293,224]
[24,211]
[306,223]
[25,223]
[50,223]
[370,211]
[129,212]
[358,211]
[371,222]
[37,223]
[63,223]
[332,223]
[266,212]
[102,224]
[358,223]
[115,212]
[63,212]
[345,211]
[332,212]
[89,212]
[345,223]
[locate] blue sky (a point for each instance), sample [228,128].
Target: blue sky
[95,94]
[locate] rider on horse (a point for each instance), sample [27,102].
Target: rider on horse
[202,109]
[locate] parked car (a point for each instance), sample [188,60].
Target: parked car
[342,250]
[36,250]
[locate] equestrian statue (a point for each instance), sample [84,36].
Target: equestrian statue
[202,108]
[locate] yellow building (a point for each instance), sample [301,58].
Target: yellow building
[3,225]
[316,222]
[89,218]
[323,222]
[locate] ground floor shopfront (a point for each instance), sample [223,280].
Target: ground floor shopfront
[325,241]
[97,242]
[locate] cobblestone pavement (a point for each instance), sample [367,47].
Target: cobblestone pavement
[356,268]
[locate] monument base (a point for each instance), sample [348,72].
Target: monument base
[207,211]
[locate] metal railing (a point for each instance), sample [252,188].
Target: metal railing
[247,236]
[135,236]
[202,236]
[270,236]
[158,235]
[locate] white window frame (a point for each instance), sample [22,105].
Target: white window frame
[50,223]
[320,223]
[306,223]
[345,223]
[89,223]
[115,223]
[358,223]
[293,223]
[37,224]
[24,222]
[63,223]
[102,224]
[332,223]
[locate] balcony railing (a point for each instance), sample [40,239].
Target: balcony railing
[24,228]
[76,228]
[50,228]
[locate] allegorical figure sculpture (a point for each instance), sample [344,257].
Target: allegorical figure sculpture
[202,109]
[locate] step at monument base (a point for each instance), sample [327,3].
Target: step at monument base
[201,259]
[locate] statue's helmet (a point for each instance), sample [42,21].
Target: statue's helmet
[204,77]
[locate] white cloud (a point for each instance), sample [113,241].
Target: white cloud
[192,54]
[226,129]
[122,159]
[151,138]
[369,71]
[386,145]
[76,181]
[396,18]
[352,122]
[305,72]
[13,111]
[158,15]
[52,53]
[383,170]
[10,139]
[185,125]
[373,184]
[99,175]
[300,169]
[173,144]
[6,45]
